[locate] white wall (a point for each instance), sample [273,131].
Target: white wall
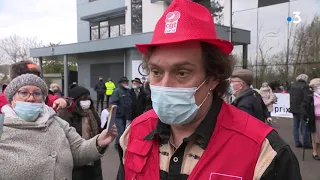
[151,13]
[128,17]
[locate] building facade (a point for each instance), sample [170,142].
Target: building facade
[107,31]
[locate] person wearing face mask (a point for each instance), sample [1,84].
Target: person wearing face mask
[139,98]
[122,98]
[191,133]
[245,98]
[310,110]
[37,141]
[87,122]
[100,88]
[29,67]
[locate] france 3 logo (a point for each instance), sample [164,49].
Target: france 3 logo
[296,19]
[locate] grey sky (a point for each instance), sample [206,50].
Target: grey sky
[48,20]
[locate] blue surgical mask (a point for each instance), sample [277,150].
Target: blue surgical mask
[126,87]
[134,87]
[175,106]
[28,111]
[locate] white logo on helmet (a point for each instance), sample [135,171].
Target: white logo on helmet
[171,22]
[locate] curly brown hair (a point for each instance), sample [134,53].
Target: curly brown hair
[217,64]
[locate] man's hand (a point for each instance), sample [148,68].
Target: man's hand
[59,104]
[269,120]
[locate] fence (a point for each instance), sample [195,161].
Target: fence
[283,73]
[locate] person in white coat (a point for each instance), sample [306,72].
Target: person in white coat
[35,143]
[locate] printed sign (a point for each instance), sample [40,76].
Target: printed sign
[137,70]
[171,21]
[281,108]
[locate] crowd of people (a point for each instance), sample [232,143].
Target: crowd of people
[194,117]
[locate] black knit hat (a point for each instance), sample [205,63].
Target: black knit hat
[24,67]
[78,91]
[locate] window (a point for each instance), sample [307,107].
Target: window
[122,29]
[114,31]
[94,31]
[136,16]
[112,27]
[104,29]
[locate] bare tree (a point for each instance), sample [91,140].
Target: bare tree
[16,48]
[217,11]
[305,51]
[304,54]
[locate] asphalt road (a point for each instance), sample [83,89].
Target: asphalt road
[310,169]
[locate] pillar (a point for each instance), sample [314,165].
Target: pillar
[65,75]
[41,66]
[245,56]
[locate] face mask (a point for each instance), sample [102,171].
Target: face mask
[230,90]
[318,91]
[126,87]
[175,106]
[85,104]
[233,91]
[134,87]
[28,111]
[100,79]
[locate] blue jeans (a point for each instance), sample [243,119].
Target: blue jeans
[121,126]
[297,121]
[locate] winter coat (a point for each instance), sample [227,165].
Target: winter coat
[138,102]
[100,88]
[46,149]
[122,98]
[299,91]
[248,102]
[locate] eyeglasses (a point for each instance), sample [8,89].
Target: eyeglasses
[231,81]
[26,94]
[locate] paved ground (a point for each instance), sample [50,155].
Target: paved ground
[309,168]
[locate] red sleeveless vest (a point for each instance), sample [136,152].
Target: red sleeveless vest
[231,154]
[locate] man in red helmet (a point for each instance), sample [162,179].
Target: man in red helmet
[24,67]
[191,133]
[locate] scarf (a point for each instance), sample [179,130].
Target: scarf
[90,127]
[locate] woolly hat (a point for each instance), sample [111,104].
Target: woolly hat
[244,74]
[24,67]
[302,77]
[25,80]
[78,91]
